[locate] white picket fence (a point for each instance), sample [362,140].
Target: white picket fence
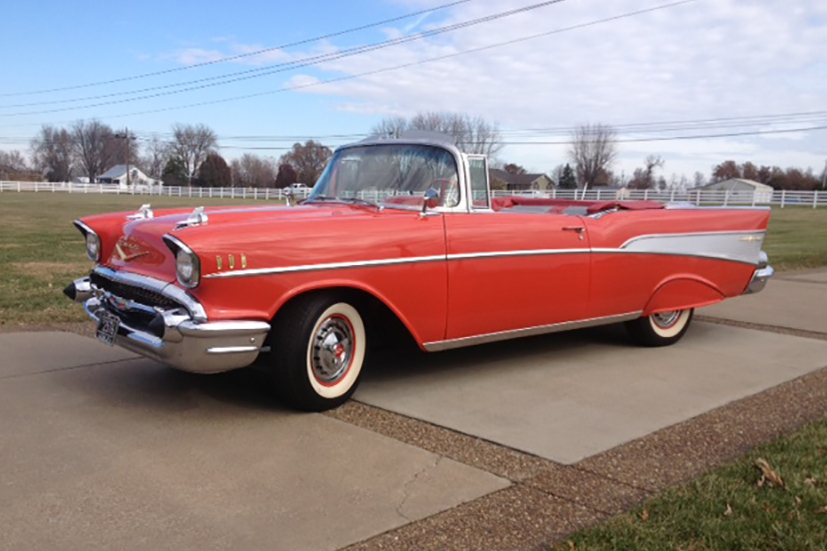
[782,198]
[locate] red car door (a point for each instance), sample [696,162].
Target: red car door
[513,271]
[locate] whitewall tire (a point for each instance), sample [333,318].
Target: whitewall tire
[318,347]
[661,329]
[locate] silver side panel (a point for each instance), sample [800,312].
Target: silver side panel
[734,246]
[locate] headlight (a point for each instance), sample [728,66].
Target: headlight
[188,268]
[93,246]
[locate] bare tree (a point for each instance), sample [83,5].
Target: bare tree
[93,147]
[309,160]
[53,153]
[253,171]
[156,154]
[592,151]
[191,143]
[13,166]
[471,134]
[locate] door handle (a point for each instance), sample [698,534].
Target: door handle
[577,229]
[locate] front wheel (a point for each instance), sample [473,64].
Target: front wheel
[661,329]
[318,349]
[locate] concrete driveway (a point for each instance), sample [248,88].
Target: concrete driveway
[101,450]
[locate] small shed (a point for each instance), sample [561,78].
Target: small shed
[742,189]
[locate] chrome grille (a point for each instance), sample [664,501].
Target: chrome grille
[133,292]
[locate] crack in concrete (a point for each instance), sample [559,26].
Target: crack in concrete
[406,489]
[67,368]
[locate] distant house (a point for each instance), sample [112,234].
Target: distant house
[117,175]
[519,182]
[740,188]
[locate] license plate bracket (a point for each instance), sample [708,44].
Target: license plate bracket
[108,325]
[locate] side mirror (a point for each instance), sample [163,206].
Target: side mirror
[431,199]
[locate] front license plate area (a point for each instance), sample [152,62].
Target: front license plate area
[107,328]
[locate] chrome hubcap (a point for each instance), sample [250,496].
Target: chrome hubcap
[332,350]
[666,319]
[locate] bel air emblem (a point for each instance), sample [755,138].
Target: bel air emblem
[127,257]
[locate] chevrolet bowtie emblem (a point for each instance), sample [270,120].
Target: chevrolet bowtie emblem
[127,257]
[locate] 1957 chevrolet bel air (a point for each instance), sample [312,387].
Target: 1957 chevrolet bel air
[402,232]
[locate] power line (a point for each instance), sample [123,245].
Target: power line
[402,66]
[272,69]
[239,56]
[624,128]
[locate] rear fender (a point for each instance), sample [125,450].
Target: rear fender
[682,292]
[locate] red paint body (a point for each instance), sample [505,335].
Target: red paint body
[474,274]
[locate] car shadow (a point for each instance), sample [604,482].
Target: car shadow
[143,383]
[399,363]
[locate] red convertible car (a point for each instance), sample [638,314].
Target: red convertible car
[402,233]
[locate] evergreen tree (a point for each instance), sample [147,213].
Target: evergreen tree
[567,179]
[175,173]
[214,172]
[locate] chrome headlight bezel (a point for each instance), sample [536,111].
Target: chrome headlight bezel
[187,268]
[187,263]
[93,241]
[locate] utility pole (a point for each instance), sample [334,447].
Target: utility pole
[125,135]
[824,177]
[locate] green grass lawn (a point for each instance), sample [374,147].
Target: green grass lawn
[733,508]
[797,238]
[41,252]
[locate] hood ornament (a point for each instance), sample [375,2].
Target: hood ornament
[144,213]
[196,218]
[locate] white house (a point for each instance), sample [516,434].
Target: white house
[741,189]
[117,175]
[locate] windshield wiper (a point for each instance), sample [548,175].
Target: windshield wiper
[358,201]
[349,200]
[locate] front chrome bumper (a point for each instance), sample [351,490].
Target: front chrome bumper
[178,336]
[761,275]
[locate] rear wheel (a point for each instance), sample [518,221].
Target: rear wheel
[661,329]
[318,348]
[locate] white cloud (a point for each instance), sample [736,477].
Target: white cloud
[708,59]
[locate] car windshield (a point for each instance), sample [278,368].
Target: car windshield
[390,174]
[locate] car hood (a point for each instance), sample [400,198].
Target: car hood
[141,248]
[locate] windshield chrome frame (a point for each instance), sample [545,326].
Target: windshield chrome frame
[459,160]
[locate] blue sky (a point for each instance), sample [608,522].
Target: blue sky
[708,59]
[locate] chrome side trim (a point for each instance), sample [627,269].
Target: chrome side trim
[151,284]
[499,254]
[438,346]
[329,266]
